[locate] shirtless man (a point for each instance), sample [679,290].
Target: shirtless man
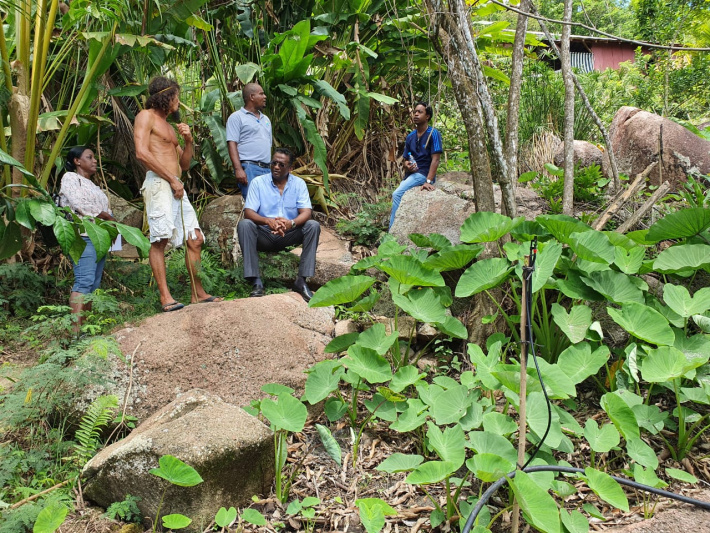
[170,215]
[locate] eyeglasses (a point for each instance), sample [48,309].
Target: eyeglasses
[278,164]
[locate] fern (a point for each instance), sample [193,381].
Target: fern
[92,423]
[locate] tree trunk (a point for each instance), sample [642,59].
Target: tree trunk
[516,79]
[469,105]
[568,191]
[587,106]
[464,50]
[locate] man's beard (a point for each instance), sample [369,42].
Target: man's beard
[175,116]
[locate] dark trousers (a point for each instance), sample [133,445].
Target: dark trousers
[254,239]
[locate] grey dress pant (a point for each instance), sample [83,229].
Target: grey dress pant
[254,239]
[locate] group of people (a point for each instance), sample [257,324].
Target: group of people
[277,206]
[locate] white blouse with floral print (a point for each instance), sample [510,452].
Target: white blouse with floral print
[82,195]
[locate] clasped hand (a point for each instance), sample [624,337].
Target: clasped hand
[279,225]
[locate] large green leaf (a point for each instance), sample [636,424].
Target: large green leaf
[545,264]
[448,444]
[320,153]
[399,462]
[326,89]
[135,237]
[643,322]
[573,287]
[593,246]
[678,298]
[176,472]
[409,270]
[452,327]
[621,415]
[606,488]
[453,258]
[176,521]
[323,378]
[642,453]
[100,238]
[682,259]
[666,363]
[435,241]
[286,412]
[405,377]
[50,518]
[489,467]
[368,364]
[421,304]
[578,361]
[575,324]
[451,405]
[574,522]
[487,226]
[538,507]
[485,364]
[680,224]
[43,211]
[537,418]
[341,290]
[629,261]
[484,442]
[601,439]
[562,226]
[430,472]
[341,342]
[616,286]
[375,337]
[498,423]
[482,275]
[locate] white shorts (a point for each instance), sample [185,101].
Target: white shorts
[168,218]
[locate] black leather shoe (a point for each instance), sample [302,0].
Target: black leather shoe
[256,291]
[304,291]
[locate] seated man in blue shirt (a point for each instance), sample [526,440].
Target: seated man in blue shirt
[421,155]
[277,214]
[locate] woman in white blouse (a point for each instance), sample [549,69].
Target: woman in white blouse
[86,199]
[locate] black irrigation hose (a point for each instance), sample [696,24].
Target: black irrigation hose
[569,470]
[528,271]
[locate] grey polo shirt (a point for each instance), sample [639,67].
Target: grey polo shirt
[252,133]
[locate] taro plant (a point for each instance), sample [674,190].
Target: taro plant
[286,414]
[177,473]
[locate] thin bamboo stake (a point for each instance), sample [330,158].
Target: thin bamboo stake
[641,211]
[522,419]
[35,496]
[623,197]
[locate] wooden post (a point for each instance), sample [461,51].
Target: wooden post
[522,420]
[641,211]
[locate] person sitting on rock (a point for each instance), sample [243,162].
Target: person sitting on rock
[277,214]
[420,157]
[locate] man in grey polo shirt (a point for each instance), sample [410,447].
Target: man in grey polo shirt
[277,214]
[249,138]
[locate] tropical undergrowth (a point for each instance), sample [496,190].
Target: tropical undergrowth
[613,314]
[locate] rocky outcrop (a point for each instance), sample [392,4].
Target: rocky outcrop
[219,219]
[586,154]
[333,258]
[231,450]
[636,136]
[445,209]
[228,348]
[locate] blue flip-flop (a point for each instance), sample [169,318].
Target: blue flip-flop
[173,306]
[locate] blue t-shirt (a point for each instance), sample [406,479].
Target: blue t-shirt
[265,198]
[423,148]
[252,134]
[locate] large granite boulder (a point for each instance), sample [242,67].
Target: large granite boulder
[219,219]
[636,136]
[227,348]
[445,209]
[231,450]
[586,154]
[125,212]
[333,258]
